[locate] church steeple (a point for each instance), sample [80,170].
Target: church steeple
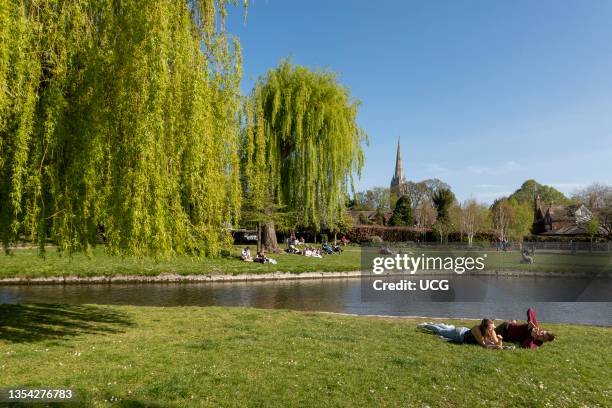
[399,170]
[398,179]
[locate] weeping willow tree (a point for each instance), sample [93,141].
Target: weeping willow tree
[119,119]
[301,149]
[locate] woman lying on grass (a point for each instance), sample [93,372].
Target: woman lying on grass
[483,334]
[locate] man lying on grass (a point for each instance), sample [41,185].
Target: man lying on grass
[528,335]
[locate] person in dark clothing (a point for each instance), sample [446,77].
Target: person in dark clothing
[484,335]
[527,335]
[328,249]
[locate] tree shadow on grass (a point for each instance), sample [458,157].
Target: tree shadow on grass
[30,323]
[131,403]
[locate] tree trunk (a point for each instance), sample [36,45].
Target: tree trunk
[258,237]
[269,237]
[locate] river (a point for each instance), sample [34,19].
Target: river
[499,301]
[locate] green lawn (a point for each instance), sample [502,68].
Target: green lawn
[190,356]
[26,263]
[551,262]
[544,261]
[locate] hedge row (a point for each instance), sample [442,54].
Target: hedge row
[363,233]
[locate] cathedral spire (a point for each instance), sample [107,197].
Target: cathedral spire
[399,169]
[398,180]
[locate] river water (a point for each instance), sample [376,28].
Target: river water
[504,298]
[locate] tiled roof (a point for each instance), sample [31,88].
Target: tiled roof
[559,212]
[567,230]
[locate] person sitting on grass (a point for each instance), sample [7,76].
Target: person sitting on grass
[261,258]
[527,258]
[527,335]
[316,253]
[246,255]
[483,334]
[293,250]
[311,252]
[328,249]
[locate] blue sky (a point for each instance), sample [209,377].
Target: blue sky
[484,94]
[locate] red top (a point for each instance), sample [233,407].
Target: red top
[521,333]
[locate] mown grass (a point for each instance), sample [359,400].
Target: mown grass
[549,261]
[189,356]
[26,263]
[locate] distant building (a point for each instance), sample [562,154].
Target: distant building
[399,185]
[567,220]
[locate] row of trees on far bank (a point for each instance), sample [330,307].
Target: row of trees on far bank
[432,205]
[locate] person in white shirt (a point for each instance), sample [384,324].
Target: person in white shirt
[246,255]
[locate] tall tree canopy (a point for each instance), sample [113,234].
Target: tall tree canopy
[122,116]
[474,217]
[373,199]
[423,191]
[595,196]
[531,188]
[302,145]
[443,200]
[511,218]
[402,213]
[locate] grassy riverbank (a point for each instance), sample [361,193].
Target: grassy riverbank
[25,263]
[189,356]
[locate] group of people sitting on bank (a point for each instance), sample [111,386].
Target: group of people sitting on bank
[298,247]
[260,257]
[293,247]
[486,334]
